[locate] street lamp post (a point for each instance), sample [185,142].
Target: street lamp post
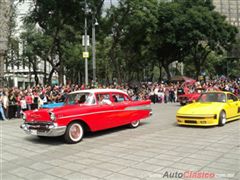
[85,44]
[94,23]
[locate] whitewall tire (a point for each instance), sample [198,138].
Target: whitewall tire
[134,124]
[74,133]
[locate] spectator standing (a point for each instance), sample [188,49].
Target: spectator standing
[1,107]
[18,104]
[43,97]
[166,95]
[55,94]
[29,100]
[23,103]
[156,94]
[48,94]
[152,96]
[171,95]
[5,103]
[12,109]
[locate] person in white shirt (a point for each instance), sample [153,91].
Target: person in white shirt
[1,107]
[103,100]
[5,102]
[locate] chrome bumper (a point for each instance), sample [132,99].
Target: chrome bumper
[47,130]
[151,113]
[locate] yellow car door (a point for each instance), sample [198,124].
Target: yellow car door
[232,106]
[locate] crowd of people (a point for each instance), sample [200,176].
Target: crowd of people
[13,101]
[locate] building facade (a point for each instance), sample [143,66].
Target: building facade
[5,13]
[20,73]
[229,8]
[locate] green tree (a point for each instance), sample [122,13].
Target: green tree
[62,21]
[205,31]
[166,41]
[12,55]
[190,28]
[35,49]
[131,24]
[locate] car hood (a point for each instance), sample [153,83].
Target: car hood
[201,108]
[37,115]
[43,115]
[68,108]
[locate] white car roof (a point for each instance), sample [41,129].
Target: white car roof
[99,91]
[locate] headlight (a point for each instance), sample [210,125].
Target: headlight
[24,117]
[52,116]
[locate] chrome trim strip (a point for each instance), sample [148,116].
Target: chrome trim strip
[144,107]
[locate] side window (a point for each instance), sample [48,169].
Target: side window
[117,98]
[221,98]
[234,98]
[229,97]
[90,99]
[126,98]
[103,98]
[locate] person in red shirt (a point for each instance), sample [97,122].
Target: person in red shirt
[29,100]
[18,103]
[186,90]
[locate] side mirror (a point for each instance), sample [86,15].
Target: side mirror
[230,101]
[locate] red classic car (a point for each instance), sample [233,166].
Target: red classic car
[184,99]
[86,110]
[188,98]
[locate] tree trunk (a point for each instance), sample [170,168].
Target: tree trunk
[138,76]
[45,72]
[152,73]
[60,76]
[36,79]
[196,63]
[198,70]
[61,68]
[166,68]
[35,71]
[81,78]
[50,77]
[160,72]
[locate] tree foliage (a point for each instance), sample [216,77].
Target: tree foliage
[63,22]
[133,38]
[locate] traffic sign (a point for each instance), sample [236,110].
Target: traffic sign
[85,54]
[83,40]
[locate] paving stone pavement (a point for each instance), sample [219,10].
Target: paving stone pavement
[147,152]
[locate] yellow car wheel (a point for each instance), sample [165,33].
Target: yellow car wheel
[222,118]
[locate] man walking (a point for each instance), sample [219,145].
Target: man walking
[1,107]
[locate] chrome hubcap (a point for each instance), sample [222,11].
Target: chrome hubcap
[223,118]
[75,132]
[135,123]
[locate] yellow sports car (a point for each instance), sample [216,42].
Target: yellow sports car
[212,108]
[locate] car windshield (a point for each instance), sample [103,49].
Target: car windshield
[80,98]
[212,97]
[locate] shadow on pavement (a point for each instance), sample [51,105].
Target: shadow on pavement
[111,131]
[190,126]
[204,127]
[60,140]
[45,140]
